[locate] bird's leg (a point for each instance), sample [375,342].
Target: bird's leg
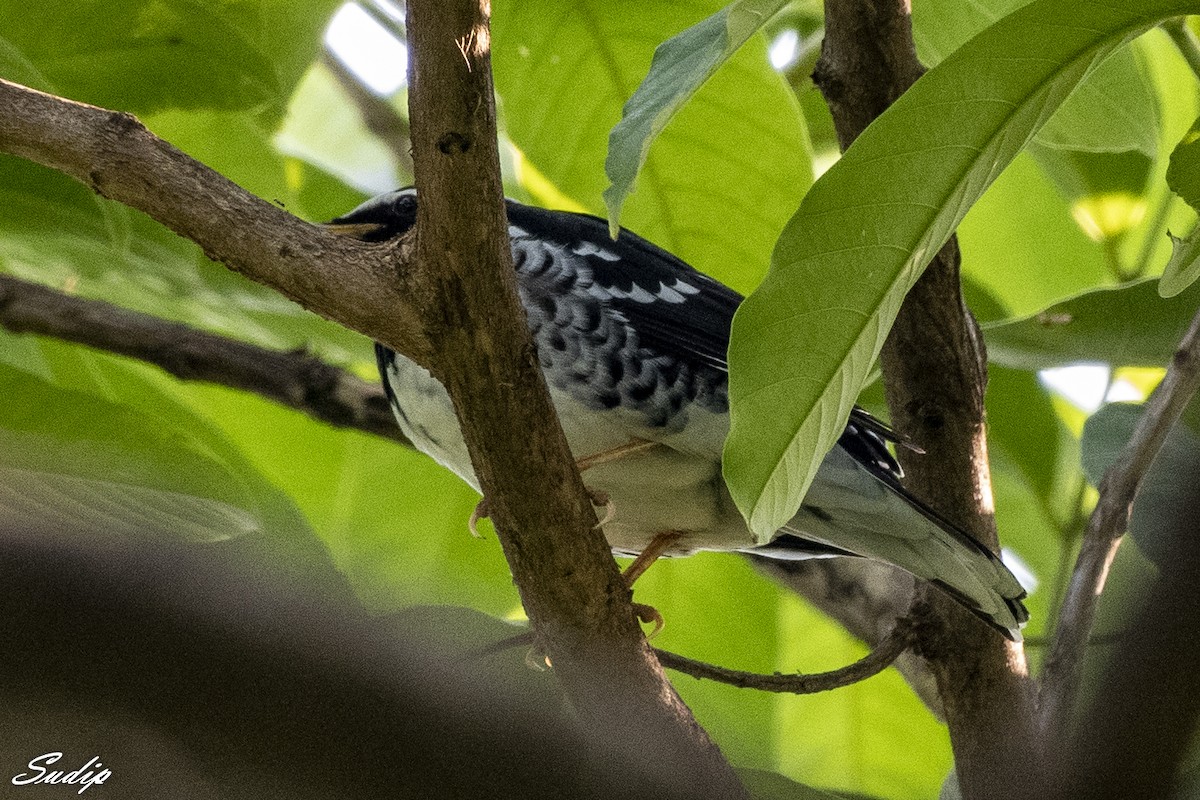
[599,498]
[613,454]
[660,544]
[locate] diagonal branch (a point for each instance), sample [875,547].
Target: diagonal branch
[1118,488]
[120,159]
[295,379]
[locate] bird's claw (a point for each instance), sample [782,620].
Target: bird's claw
[649,614]
[480,512]
[601,499]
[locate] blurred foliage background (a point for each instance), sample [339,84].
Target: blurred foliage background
[304,104]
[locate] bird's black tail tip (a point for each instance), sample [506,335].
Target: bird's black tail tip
[1007,624]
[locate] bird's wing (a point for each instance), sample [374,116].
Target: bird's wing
[675,309]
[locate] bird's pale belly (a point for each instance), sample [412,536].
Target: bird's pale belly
[654,491]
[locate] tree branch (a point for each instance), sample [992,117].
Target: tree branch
[483,354]
[117,157]
[1141,722]
[296,379]
[864,596]
[868,666]
[880,658]
[935,373]
[1107,525]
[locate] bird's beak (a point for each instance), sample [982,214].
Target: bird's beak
[357,230]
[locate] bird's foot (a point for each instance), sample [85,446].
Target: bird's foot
[599,499]
[660,544]
[602,500]
[480,512]
[649,614]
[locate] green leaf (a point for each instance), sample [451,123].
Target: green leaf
[564,69]
[1184,266]
[866,230]
[1126,326]
[1183,177]
[1021,224]
[1166,489]
[1183,173]
[1114,110]
[860,738]
[57,232]
[680,66]
[147,55]
[325,128]
[1023,428]
[69,458]
[394,521]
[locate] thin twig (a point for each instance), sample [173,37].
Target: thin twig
[1107,525]
[875,662]
[294,379]
[872,664]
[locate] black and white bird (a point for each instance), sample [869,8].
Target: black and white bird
[633,345]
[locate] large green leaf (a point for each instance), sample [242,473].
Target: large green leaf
[1114,110]
[861,738]
[680,67]
[146,55]
[867,228]
[736,152]
[394,521]
[1020,244]
[1126,326]
[70,457]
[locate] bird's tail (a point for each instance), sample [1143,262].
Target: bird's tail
[853,510]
